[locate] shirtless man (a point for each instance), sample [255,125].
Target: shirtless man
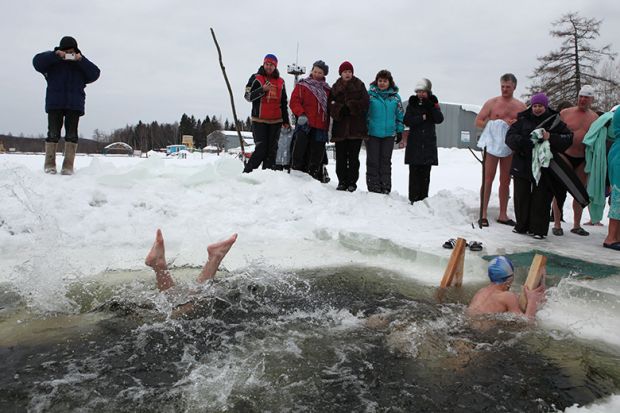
[496,297]
[506,108]
[156,259]
[578,119]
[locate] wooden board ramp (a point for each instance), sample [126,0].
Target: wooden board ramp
[534,277]
[454,269]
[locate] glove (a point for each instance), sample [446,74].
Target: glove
[399,137]
[302,120]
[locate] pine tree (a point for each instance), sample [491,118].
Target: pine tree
[563,72]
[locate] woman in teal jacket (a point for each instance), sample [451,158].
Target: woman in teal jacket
[385,121]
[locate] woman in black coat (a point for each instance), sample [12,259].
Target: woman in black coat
[422,114]
[532,201]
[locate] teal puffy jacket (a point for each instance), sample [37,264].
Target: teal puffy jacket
[385,114]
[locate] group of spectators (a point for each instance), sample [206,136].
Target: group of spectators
[546,152]
[356,114]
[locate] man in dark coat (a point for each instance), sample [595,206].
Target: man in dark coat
[348,108]
[67,72]
[422,114]
[532,200]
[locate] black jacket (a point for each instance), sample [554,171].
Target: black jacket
[518,139]
[422,141]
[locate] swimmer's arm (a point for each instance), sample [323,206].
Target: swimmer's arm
[483,116]
[511,301]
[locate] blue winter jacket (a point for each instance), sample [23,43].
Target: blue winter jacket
[385,114]
[66,80]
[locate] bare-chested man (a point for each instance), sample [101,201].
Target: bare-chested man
[500,108]
[496,297]
[578,119]
[156,259]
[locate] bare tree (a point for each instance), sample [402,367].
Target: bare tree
[608,93]
[562,72]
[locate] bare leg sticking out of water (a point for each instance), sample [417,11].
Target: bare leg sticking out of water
[156,259]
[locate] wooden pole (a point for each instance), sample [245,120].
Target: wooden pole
[232,100]
[534,277]
[454,269]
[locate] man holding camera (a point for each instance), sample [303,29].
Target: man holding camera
[67,73]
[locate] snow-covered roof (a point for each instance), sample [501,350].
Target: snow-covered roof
[466,106]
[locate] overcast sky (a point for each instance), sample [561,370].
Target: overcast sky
[158,60]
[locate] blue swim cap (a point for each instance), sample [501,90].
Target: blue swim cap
[500,269]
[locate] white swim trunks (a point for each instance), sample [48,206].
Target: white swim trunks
[494,138]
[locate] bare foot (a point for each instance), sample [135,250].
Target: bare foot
[216,253]
[219,249]
[156,258]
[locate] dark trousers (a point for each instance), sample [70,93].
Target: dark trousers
[348,161]
[419,181]
[379,164]
[308,154]
[532,205]
[266,137]
[55,120]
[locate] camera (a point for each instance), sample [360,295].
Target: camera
[69,56]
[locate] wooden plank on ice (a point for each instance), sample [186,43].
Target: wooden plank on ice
[537,271]
[454,269]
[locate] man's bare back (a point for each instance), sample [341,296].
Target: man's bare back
[578,121]
[490,299]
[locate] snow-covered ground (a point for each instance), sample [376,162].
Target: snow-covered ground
[56,230]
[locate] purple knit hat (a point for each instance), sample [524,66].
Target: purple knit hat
[540,99]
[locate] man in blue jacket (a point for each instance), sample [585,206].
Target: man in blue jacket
[67,73]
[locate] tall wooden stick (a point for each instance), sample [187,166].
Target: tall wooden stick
[232,100]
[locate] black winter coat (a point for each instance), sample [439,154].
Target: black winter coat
[518,139]
[66,80]
[422,141]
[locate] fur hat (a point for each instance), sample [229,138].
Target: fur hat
[67,43]
[271,58]
[424,84]
[321,65]
[587,91]
[540,99]
[345,66]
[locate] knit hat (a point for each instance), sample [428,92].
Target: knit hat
[500,269]
[321,65]
[587,91]
[423,84]
[540,99]
[271,58]
[345,66]
[67,43]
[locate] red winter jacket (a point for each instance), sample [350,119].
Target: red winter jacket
[303,102]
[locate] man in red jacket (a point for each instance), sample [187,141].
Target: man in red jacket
[267,92]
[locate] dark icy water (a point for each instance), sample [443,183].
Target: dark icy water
[329,340]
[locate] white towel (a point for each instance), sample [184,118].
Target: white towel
[494,138]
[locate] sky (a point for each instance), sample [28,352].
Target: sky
[158,60]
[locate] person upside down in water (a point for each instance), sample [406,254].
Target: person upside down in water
[156,259]
[496,297]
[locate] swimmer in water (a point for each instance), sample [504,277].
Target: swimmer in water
[496,297]
[156,259]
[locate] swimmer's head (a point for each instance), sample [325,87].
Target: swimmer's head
[500,269]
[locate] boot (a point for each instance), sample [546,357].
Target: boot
[50,158]
[67,163]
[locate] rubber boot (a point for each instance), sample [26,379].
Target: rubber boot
[50,158]
[67,163]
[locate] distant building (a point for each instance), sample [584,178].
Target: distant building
[226,139]
[458,129]
[188,140]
